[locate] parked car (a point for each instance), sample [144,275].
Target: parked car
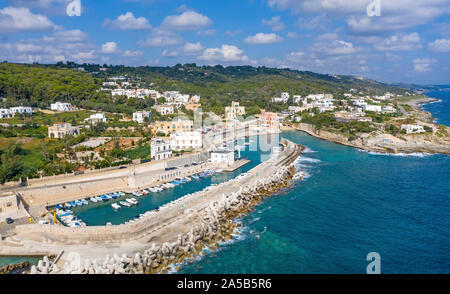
[9,220]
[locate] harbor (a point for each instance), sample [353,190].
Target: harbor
[164,224]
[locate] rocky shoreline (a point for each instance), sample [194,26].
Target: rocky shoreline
[218,224]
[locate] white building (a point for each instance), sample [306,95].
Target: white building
[413,129]
[235,110]
[388,108]
[95,118]
[141,116]
[60,130]
[6,113]
[374,108]
[186,140]
[59,106]
[279,100]
[160,149]
[195,99]
[297,99]
[359,102]
[285,96]
[223,156]
[22,109]
[164,109]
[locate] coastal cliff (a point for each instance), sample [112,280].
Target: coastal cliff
[382,142]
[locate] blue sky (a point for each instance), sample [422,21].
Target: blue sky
[408,42]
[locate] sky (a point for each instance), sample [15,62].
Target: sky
[392,41]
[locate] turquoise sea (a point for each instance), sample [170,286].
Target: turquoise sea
[352,203]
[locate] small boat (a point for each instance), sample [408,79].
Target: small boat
[94,199]
[84,202]
[153,189]
[137,194]
[72,203]
[115,206]
[195,177]
[187,179]
[125,203]
[132,201]
[105,198]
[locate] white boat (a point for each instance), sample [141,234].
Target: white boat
[132,201]
[93,199]
[115,206]
[137,194]
[219,171]
[153,189]
[125,203]
[170,185]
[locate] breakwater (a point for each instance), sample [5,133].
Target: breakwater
[213,223]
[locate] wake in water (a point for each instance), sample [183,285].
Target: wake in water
[415,154]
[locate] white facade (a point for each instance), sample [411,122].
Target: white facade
[22,109]
[374,108]
[165,109]
[95,118]
[388,108]
[359,102]
[59,106]
[195,99]
[223,156]
[297,98]
[413,129]
[160,149]
[6,113]
[141,116]
[186,140]
[279,100]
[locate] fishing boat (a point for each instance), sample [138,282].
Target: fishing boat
[105,198]
[137,194]
[152,189]
[94,199]
[219,171]
[115,206]
[84,202]
[125,203]
[72,203]
[187,179]
[195,177]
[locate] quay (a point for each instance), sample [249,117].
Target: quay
[97,243]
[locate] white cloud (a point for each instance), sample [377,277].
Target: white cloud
[170,53]
[161,38]
[128,21]
[187,21]
[395,15]
[423,64]
[187,49]
[275,23]
[232,33]
[293,35]
[226,53]
[110,48]
[440,46]
[328,44]
[192,48]
[62,45]
[262,38]
[206,33]
[14,20]
[131,53]
[400,42]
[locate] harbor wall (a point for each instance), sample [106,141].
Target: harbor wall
[184,212]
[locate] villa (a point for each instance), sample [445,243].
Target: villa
[60,130]
[186,141]
[62,107]
[160,149]
[413,129]
[233,111]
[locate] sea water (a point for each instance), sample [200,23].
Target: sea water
[352,203]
